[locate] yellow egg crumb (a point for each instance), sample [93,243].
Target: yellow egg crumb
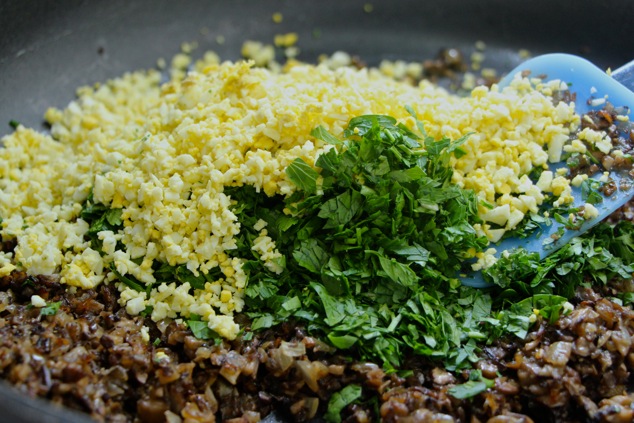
[277,17]
[225,296]
[6,267]
[576,146]
[285,40]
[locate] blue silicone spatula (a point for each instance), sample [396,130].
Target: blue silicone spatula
[588,82]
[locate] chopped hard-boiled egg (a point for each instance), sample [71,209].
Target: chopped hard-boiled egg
[590,212]
[37,301]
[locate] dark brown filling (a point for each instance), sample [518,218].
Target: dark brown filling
[92,356]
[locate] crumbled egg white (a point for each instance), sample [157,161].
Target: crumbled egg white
[164,153]
[605,177]
[145,334]
[518,128]
[6,267]
[37,301]
[578,180]
[599,139]
[485,259]
[590,212]
[260,53]
[337,60]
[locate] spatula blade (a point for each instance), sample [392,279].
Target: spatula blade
[592,86]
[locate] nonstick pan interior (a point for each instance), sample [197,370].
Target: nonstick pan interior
[48,49]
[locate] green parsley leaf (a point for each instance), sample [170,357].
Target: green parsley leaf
[475,385]
[201,330]
[50,309]
[129,280]
[341,400]
[147,311]
[335,310]
[29,281]
[302,175]
[311,255]
[183,274]
[113,217]
[414,253]
[468,389]
[343,341]
[367,123]
[590,191]
[100,218]
[397,272]
[322,133]
[340,210]
[263,322]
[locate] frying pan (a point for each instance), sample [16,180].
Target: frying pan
[49,48]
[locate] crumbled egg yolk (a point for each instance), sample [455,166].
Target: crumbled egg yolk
[285,40]
[164,153]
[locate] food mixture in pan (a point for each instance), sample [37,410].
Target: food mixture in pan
[249,237]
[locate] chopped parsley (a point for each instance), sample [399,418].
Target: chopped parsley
[50,309]
[371,247]
[341,400]
[591,191]
[201,330]
[100,218]
[604,253]
[475,385]
[371,242]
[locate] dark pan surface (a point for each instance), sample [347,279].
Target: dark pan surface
[49,48]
